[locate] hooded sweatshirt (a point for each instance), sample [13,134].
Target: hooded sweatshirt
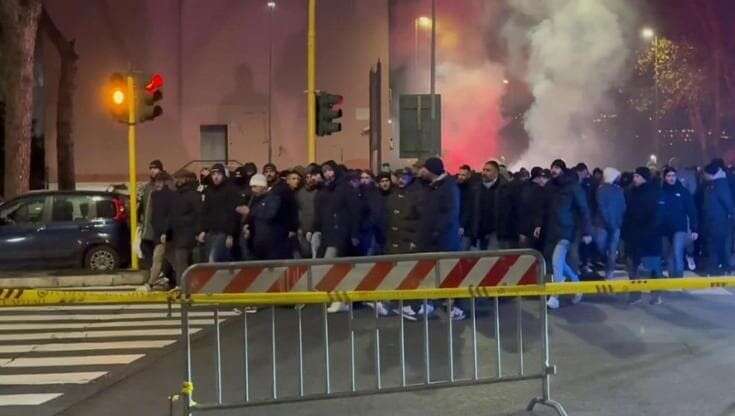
[610,202]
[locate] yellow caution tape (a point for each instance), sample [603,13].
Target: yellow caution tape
[187,389]
[24,297]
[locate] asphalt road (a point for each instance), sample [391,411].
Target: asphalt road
[613,359]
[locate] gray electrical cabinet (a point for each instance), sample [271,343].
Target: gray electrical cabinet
[419,132]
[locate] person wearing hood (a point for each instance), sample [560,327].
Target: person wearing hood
[567,211]
[335,222]
[610,201]
[679,223]
[372,218]
[219,221]
[642,230]
[717,215]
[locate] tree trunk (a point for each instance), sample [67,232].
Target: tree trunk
[65,103]
[19,21]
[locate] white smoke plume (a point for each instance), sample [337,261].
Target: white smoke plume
[571,53]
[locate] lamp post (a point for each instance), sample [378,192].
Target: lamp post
[271,7]
[650,35]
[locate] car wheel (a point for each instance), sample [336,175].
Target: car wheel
[102,259]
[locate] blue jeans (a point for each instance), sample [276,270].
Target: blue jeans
[607,242]
[677,247]
[562,270]
[216,248]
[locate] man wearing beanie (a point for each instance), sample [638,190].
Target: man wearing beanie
[567,211]
[531,210]
[679,223]
[717,215]
[608,220]
[145,215]
[265,231]
[439,217]
[642,230]
[220,222]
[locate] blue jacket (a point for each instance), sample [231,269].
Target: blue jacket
[439,217]
[680,214]
[610,206]
[717,206]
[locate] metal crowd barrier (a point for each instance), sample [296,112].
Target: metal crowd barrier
[419,278]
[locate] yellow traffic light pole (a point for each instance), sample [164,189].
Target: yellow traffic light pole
[132,172]
[311,83]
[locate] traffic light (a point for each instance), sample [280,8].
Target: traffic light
[326,115]
[116,97]
[149,93]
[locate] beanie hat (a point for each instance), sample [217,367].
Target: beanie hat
[536,172]
[218,167]
[270,166]
[644,172]
[331,164]
[560,164]
[156,164]
[712,168]
[610,175]
[259,180]
[434,165]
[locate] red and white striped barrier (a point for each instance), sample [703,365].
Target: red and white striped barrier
[476,271]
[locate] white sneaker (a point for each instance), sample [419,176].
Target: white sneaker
[337,307]
[382,310]
[553,302]
[577,298]
[407,313]
[691,264]
[429,310]
[145,288]
[457,314]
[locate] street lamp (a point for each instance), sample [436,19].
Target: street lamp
[421,22]
[649,34]
[271,7]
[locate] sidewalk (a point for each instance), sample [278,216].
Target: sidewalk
[69,279]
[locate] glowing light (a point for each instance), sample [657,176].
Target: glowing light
[424,22]
[506,82]
[271,5]
[118,97]
[647,33]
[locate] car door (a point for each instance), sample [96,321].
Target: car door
[69,230]
[21,223]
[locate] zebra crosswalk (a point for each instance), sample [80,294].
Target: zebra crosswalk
[48,352]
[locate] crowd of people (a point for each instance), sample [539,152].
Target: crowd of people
[585,223]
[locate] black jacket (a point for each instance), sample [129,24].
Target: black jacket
[495,206]
[289,213]
[468,206]
[439,217]
[717,206]
[162,203]
[642,224]
[531,204]
[402,219]
[567,209]
[186,215]
[680,214]
[335,214]
[218,211]
[267,233]
[372,213]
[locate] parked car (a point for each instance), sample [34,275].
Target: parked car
[65,229]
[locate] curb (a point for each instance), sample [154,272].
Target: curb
[47,281]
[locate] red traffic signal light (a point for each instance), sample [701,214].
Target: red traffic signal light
[154,84]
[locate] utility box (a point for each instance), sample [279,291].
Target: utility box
[419,130]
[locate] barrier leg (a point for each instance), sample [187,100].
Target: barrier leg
[186,391]
[549,370]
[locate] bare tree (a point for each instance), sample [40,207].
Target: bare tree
[65,102]
[19,24]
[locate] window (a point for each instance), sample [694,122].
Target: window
[76,208]
[26,211]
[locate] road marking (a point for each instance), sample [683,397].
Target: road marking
[18,326]
[94,334]
[26,399]
[108,317]
[50,378]
[69,361]
[84,346]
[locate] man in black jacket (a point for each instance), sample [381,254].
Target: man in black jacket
[531,207]
[266,232]
[468,205]
[289,214]
[717,215]
[568,211]
[493,220]
[220,222]
[162,200]
[679,220]
[642,229]
[185,217]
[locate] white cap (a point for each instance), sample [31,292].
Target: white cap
[259,180]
